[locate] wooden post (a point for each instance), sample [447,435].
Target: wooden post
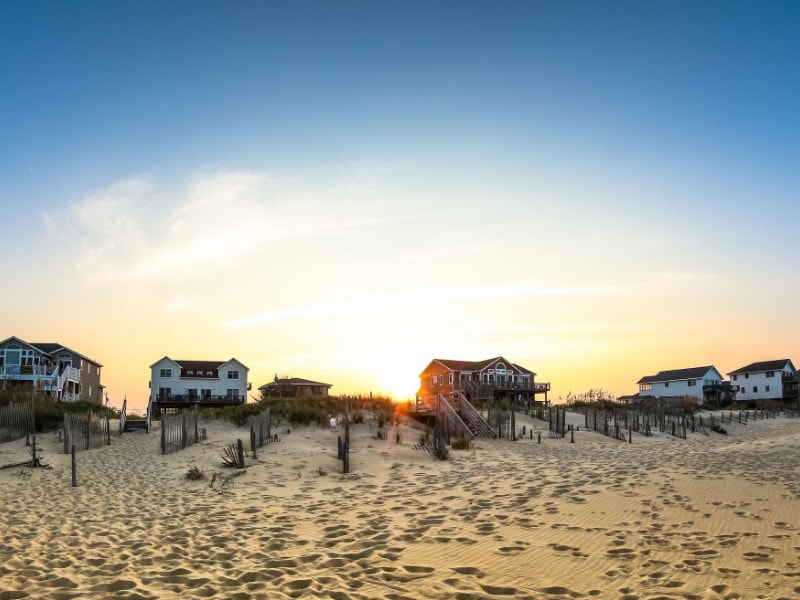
[340,445]
[183,430]
[540,437]
[34,460]
[630,436]
[163,438]
[253,441]
[74,468]
[67,435]
[240,450]
[571,435]
[196,432]
[108,430]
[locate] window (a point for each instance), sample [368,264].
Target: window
[190,373]
[666,384]
[450,379]
[433,380]
[232,393]
[735,377]
[165,373]
[747,375]
[164,392]
[209,374]
[766,388]
[441,379]
[692,382]
[755,389]
[206,393]
[770,373]
[233,374]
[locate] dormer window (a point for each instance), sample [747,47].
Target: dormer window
[209,374]
[190,373]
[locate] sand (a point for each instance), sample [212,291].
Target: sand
[708,517]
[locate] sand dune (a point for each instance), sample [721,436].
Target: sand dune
[708,517]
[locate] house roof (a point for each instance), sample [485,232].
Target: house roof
[49,348]
[764,365]
[678,374]
[473,365]
[294,381]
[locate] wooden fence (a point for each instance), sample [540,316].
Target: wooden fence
[179,430]
[86,430]
[260,430]
[16,421]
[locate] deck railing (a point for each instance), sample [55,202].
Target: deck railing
[474,419]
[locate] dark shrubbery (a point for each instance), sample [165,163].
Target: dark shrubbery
[305,410]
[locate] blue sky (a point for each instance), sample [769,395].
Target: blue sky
[320,188]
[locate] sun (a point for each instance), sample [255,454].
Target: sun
[397,374]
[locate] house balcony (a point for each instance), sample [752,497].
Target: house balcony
[184,400]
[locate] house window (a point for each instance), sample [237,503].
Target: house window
[450,378]
[441,379]
[164,392]
[766,388]
[190,373]
[666,384]
[755,389]
[735,377]
[206,393]
[232,393]
[692,382]
[433,380]
[770,373]
[166,373]
[747,375]
[233,374]
[209,374]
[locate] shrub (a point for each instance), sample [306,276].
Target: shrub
[461,444]
[195,473]
[717,428]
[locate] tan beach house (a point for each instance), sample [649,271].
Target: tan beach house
[50,368]
[177,384]
[293,387]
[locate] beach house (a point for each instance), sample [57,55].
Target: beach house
[485,380]
[181,383]
[50,368]
[704,383]
[293,387]
[766,380]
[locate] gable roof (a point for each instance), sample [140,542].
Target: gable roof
[764,365]
[473,365]
[295,381]
[49,348]
[679,374]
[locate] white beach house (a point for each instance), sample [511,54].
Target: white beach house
[181,383]
[764,380]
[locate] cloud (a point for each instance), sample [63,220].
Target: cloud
[426,297]
[133,232]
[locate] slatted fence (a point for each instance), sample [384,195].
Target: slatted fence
[16,421]
[86,430]
[179,430]
[260,430]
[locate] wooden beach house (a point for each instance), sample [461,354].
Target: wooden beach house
[293,387]
[50,368]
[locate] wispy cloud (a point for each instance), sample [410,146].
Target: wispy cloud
[132,231]
[426,297]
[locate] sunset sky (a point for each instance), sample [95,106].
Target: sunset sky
[342,191]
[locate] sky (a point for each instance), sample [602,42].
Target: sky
[344,191]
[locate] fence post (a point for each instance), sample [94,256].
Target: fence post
[67,435]
[196,432]
[253,441]
[74,467]
[163,437]
[240,449]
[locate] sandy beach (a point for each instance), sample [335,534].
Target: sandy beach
[708,517]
